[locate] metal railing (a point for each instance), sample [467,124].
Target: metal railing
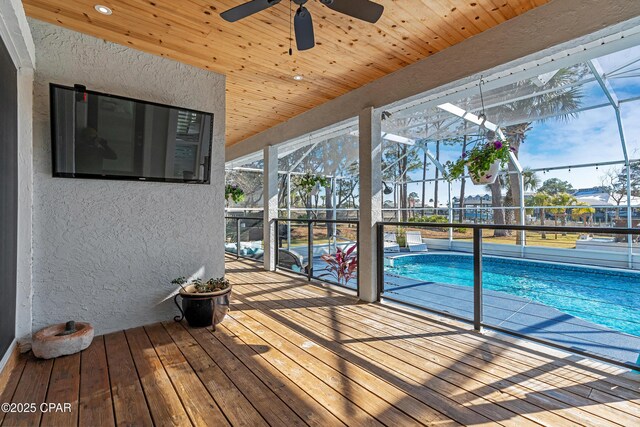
[235,227]
[477,305]
[287,246]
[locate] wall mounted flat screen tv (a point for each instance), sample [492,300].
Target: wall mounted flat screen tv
[96,135]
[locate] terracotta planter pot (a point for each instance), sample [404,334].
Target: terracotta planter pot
[492,173]
[202,309]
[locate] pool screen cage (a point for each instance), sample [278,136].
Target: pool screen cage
[574,128]
[575,137]
[330,158]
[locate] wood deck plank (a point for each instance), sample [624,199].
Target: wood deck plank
[347,366]
[96,401]
[458,404]
[345,398]
[296,397]
[233,403]
[130,405]
[544,395]
[64,388]
[32,388]
[163,401]
[515,350]
[291,353]
[503,371]
[506,349]
[9,381]
[265,399]
[431,371]
[578,390]
[200,406]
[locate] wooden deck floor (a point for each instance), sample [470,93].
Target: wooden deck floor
[295,354]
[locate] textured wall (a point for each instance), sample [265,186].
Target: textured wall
[105,251]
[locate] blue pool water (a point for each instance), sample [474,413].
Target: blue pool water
[606,297]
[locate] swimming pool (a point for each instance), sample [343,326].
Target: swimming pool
[606,297]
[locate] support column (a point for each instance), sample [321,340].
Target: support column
[288,211]
[370,154]
[270,197]
[450,213]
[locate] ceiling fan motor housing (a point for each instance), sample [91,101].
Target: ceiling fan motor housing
[365,10]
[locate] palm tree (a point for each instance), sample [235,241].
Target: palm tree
[561,201]
[413,196]
[531,182]
[540,199]
[583,212]
[558,104]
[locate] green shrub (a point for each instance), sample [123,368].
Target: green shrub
[440,219]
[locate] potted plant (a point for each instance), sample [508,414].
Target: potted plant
[203,303]
[233,193]
[311,183]
[343,264]
[483,162]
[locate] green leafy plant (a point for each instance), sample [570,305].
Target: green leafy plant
[343,264]
[440,219]
[401,236]
[233,192]
[479,160]
[430,218]
[200,286]
[181,281]
[308,182]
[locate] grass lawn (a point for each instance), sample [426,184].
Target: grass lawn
[553,240]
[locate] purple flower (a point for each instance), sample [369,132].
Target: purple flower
[497,144]
[464,154]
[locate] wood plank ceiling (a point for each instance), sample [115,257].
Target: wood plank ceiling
[253,53]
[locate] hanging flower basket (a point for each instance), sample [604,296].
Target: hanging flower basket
[483,162]
[486,177]
[233,193]
[311,183]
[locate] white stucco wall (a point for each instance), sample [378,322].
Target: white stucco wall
[105,251]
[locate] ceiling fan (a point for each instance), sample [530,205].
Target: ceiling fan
[365,10]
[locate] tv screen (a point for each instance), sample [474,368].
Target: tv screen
[96,135]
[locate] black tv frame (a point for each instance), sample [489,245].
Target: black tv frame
[81,89]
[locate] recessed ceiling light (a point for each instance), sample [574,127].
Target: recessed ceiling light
[103,9]
[298,77]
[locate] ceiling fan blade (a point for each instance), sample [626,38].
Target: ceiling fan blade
[247,9]
[360,9]
[303,25]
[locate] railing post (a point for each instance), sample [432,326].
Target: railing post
[276,254]
[477,279]
[238,238]
[358,258]
[380,258]
[270,206]
[310,250]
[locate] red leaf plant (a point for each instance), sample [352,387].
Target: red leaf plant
[343,264]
